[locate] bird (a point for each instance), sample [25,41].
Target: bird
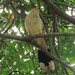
[34,25]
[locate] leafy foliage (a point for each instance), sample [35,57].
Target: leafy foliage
[19,58]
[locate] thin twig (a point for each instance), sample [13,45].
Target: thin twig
[6,31]
[6,2]
[32,3]
[10,25]
[14,9]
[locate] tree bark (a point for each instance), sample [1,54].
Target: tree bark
[52,7]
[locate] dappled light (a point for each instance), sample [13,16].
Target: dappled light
[19,49]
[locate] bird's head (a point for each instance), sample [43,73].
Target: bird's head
[34,11]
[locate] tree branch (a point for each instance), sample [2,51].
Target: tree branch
[56,10]
[6,2]
[6,31]
[27,39]
[32,3]
[66,5]
[14,9]
[10,25]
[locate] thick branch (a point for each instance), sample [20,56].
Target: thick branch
[27,39]
[51,35]
[66,5]
[56,10]
[34,36]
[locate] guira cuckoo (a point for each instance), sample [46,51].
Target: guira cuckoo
[33,26]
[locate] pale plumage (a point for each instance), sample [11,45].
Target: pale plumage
[33,26]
